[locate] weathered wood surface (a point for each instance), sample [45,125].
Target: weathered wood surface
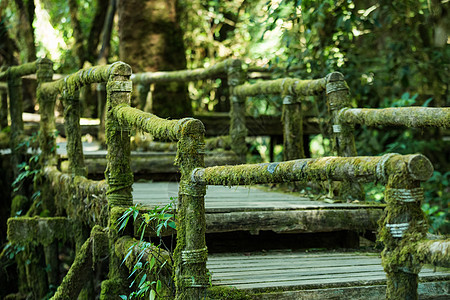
[253,209]
[301,273]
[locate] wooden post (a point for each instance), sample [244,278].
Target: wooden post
[3,108]
[191,276]
[46,102]
[238,130]
[101,102]
[344,142]
[73,132]
[404,223]
[118,172]
[15,112]
[292,118]
[143,90]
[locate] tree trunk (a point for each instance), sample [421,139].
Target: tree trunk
[151,40]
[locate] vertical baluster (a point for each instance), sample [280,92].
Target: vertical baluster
[191,276]
[73,132]
[238,131]
[3,108]
[292,119]
[344,142]
[46,102]
[404,223]
[118,174]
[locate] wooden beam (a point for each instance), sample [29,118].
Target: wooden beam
[295,221]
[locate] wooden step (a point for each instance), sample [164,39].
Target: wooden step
[253,209]
[300,275]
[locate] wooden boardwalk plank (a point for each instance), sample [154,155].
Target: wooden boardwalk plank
[233,199]
[290,269]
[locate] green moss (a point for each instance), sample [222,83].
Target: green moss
[399,116]
[292,120]
[19,203]
[286,86]
[182,75]
[25,230]
[226,293]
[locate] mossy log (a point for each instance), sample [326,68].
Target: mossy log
[285,86]
[36,230]
[435,252]
[183,75]
[94,248]
[397,116]
[356,169]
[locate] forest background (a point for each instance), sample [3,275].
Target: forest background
[392,53]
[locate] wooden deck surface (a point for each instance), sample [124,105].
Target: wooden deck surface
[252,209]
[300,271]
[240,198]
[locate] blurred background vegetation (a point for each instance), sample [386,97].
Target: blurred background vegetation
[392,53]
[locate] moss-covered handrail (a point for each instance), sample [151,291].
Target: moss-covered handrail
[293,91]
[159,128]
[435,252]
[73,82]
[397,116]
[182,75]
[19,71]
[359,169]
[283,86]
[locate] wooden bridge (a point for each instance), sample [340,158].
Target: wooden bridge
[231,242]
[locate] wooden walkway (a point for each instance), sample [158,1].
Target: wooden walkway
[306,275]
[253,209]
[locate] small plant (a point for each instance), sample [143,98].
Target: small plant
[157,219]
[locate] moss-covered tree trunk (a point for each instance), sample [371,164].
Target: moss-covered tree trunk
[151,40]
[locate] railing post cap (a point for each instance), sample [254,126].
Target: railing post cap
[120,68]
[335,76]
[420,168]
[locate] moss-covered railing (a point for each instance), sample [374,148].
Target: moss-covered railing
[402,229]
[190,254]
[13,76]
[231,68]
[293,91]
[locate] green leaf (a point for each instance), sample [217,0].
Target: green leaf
[123,297]
[152,263]
[144,277]
[152,295]
[158,286]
